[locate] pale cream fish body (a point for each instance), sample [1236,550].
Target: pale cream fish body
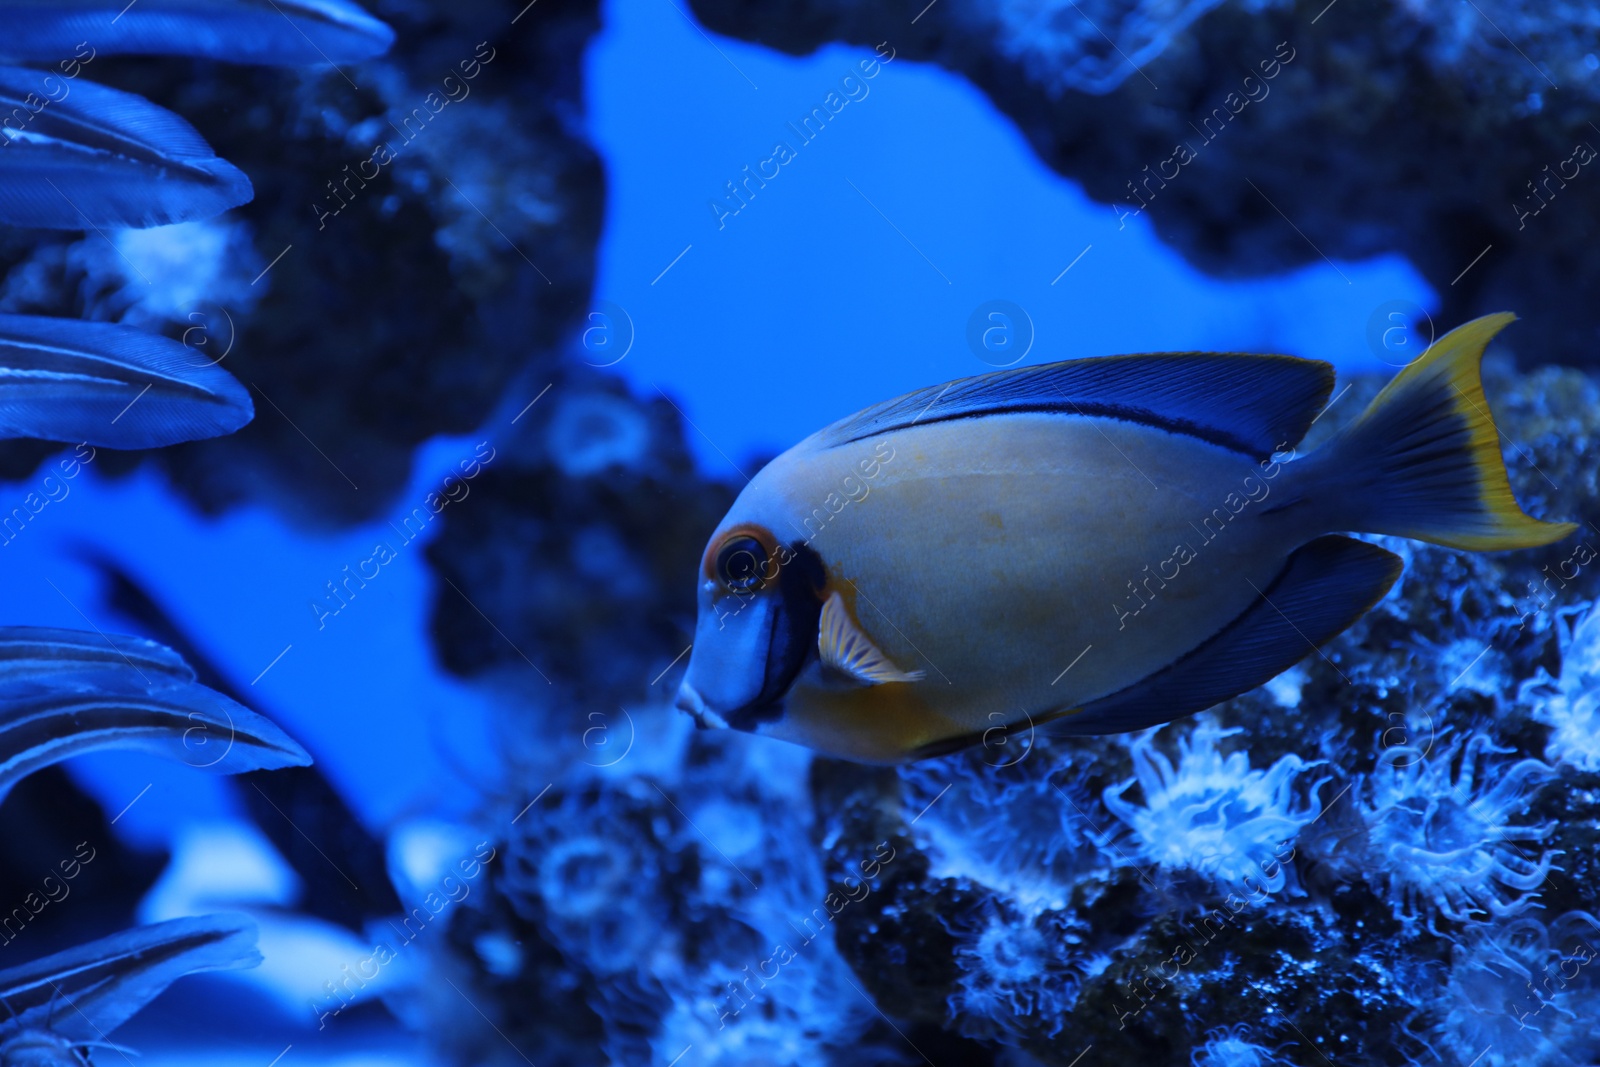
[959,560]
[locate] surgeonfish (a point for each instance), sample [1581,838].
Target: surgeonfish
[234,31]
[101,157]
[110,386]
[1100,544]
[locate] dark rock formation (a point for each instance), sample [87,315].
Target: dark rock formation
[581,544]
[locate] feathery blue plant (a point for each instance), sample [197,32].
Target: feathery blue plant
[103,157]
[235,31]
[111,386]
[63,1004]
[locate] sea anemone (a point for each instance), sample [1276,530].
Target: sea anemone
[814,1013]
[1570,703]
[1012,829]
[1519,994]
[1013,970]
[1227,1047]
[1444,841]
[584,867]
[1214,814]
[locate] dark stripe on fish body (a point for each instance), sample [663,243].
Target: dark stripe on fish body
[1093,409]
[1252,404]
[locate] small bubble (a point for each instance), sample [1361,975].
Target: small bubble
[1592,61]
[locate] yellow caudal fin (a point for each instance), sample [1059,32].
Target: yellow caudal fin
[1423,461]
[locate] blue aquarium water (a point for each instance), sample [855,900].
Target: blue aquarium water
[393,672]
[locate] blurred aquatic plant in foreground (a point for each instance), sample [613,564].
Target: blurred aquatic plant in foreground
[124,161]
[303,32]
[65,1005]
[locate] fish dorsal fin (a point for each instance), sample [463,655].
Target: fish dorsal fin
[844,648]
[1326,585]
[1249,403]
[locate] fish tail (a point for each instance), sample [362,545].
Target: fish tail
[1423,461]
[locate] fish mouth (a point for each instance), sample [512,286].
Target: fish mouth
[706,718]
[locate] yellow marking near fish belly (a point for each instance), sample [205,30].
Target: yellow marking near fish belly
[877,725]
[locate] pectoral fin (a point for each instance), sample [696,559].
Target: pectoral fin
[845,649]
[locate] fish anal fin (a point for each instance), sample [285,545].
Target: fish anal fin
[845,650]
[1325,586]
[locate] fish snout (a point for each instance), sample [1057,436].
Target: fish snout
[706,718]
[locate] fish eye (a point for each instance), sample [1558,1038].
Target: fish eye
[741,563]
